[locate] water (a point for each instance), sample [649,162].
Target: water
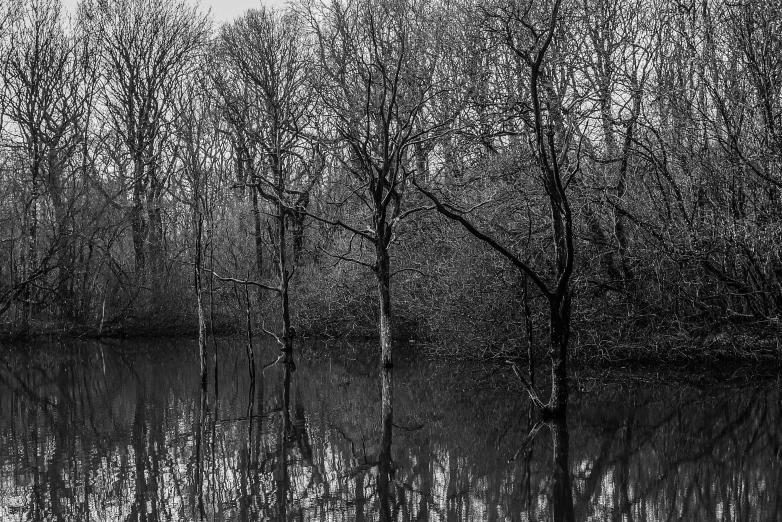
[93,432]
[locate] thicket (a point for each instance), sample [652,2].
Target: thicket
[140,146]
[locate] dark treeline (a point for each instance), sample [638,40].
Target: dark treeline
[456,171]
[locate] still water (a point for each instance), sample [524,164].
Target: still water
[129,432]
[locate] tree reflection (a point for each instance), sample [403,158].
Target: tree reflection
[199,444]
[139,437]
[562,492]
[385,474]
[281,478]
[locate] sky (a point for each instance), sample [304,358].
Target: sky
[222,10]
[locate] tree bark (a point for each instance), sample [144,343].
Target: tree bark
[258,233]
[559,335]
[299,214]
[287,334]
[32,237]
[155,231]
[198,219]
[383,276]
[138,223]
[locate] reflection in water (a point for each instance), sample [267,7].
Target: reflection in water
[562,491]
[385,472]
[103,434]
[281,473]
[199,443]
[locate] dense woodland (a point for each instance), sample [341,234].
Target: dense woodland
[592,175]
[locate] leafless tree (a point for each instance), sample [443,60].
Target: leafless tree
[46,103]
[147,48]
[377,63]
[270,116]
[528,30]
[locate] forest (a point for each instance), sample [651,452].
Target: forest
[592,178]
[310,263]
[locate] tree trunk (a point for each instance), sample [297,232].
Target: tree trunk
[559,335]
[287,334]
[138,223]
[32,240]
[63,240]
[282,261]
[198,219]
[155,232]
[258,233]
[382,273]
[299,215]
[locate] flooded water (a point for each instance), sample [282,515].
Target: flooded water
[129,432]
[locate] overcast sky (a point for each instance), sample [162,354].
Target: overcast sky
[222,10]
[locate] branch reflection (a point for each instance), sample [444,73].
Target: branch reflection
[137,436]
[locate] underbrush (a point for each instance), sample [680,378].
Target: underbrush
[456,300]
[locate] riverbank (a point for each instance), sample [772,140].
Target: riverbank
[660,344]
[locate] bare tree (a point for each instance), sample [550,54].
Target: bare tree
[46,101]
[377,66]
[528,29]
[615,71]
[264,50]
[197,149]
[147,49]
[238,113]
